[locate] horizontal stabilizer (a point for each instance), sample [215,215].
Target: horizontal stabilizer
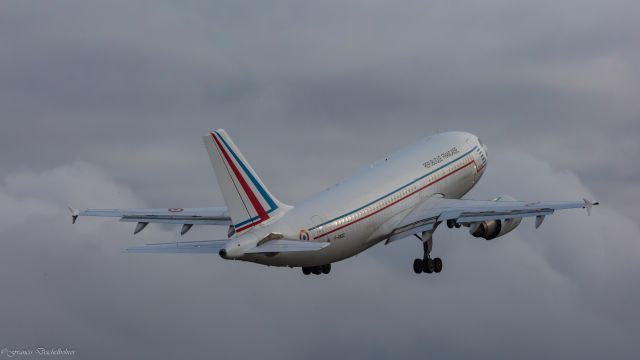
[187,247]
[281,246]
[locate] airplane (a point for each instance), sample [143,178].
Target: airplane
[408,193]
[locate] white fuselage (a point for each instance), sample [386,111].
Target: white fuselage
[363,209]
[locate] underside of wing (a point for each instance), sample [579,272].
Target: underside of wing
[471,212]
[187,217]
[199,216]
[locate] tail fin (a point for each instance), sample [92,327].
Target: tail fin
[248,200]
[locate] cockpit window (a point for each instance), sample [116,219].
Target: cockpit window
[484,147]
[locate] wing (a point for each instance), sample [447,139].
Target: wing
[186,217]
[199,216]
[436,210]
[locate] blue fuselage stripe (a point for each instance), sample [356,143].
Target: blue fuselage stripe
[240,224]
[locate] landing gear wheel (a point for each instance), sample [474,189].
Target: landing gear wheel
[428,266]
[326,268]
[316,270]
[306,270]
[437,265]
[417,266]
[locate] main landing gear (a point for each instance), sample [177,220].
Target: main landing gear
[451,223]
[426,264]
[316,270]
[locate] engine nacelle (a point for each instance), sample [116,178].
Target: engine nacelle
[492,229]
[495,228]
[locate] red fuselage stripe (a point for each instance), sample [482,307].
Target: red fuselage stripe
[397,201]
[252,197]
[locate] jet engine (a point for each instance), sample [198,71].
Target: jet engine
[492,229]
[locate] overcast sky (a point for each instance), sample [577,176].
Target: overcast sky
[103,105]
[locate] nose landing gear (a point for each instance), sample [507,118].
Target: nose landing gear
[427,264]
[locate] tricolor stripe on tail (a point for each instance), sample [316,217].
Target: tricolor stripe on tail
[248,200]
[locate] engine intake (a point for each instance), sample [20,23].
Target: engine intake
[487,229]
[492,229]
